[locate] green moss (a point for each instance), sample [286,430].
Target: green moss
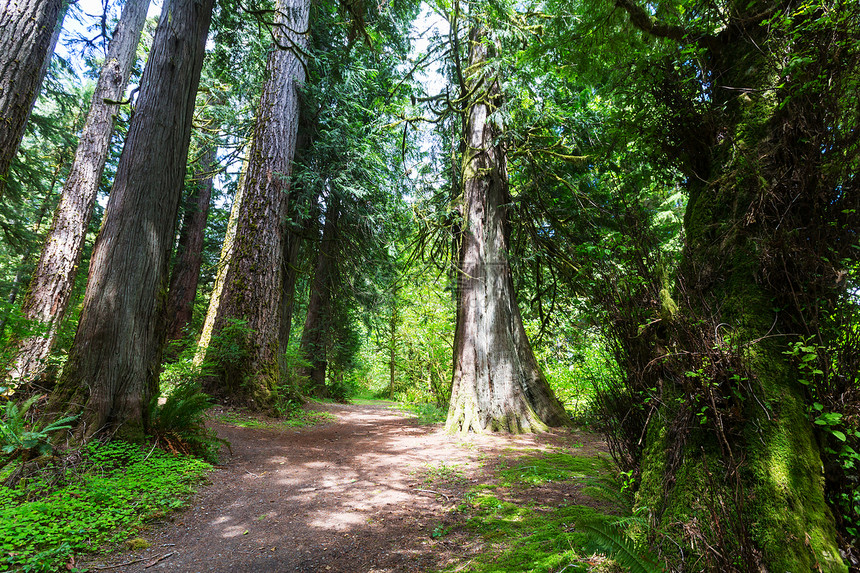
[783,508]
[526,539]
[137,543]
[539,469]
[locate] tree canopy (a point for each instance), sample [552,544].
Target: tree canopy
[640,216]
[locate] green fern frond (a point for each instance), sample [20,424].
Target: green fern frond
[180,423]
[610,541]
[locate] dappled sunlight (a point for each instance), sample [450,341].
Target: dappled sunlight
[287,501]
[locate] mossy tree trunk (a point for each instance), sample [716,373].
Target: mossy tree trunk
[731,464]
[51,285]
[251,277]
[114,363]
[497,384]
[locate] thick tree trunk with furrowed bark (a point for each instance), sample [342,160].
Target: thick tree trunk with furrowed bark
[113,366]
[50,288]
[498,385]
[251,278]
[28,34]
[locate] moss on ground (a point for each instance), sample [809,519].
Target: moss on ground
[299,419]
[533,536]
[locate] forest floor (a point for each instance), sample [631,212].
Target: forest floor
[369,490]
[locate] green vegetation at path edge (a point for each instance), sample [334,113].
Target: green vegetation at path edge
[296,419]
[106,499]
[525,536]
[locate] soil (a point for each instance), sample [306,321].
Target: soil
[362,494]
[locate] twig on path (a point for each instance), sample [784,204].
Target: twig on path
[251,473]
[159,560]
[448,498]
[120,564]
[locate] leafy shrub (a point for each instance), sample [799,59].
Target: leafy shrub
[228,351]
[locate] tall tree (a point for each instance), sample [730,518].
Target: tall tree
[497,383]
[756,104]
[113,366]
[250,280]
[28,33]
[189,259]
[316,334]
[51,285]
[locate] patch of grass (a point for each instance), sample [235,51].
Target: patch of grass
[545,468]
[298,419]
[105,500]
[443,473]
[525,536]
[526,539]
[427,413]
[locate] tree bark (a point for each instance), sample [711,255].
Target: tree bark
[393,320]
[114,363]
[731,464]
[299,225]
[317,319]
[51,286]
[252,276]
[28,33]
[186,269]
[497,384]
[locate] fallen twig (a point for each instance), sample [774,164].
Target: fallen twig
[159,560]
[447,497]
[120,564]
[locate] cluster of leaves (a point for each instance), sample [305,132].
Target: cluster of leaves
[178,425]
[20,438]
[105,498]
[835,410]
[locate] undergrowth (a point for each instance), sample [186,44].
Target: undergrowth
[427,413]
[105,499]
[519,533]
[298,419]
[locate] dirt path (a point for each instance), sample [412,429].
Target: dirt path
[347,496]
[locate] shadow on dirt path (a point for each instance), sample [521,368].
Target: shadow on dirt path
[347,496]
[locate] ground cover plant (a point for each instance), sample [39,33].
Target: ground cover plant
[572,525]
[106,497]
[298,418]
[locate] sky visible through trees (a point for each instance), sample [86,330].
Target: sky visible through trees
[639,217]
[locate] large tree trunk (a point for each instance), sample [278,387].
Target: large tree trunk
[300,224]
[251,284]
[318,319]
[731,465]
[498,385]
[113,365]
[50,288]
[186,268]
[28,33]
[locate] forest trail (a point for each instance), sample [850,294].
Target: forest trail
[355,494]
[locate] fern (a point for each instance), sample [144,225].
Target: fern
[608,540]
[179,424]
[15,437]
